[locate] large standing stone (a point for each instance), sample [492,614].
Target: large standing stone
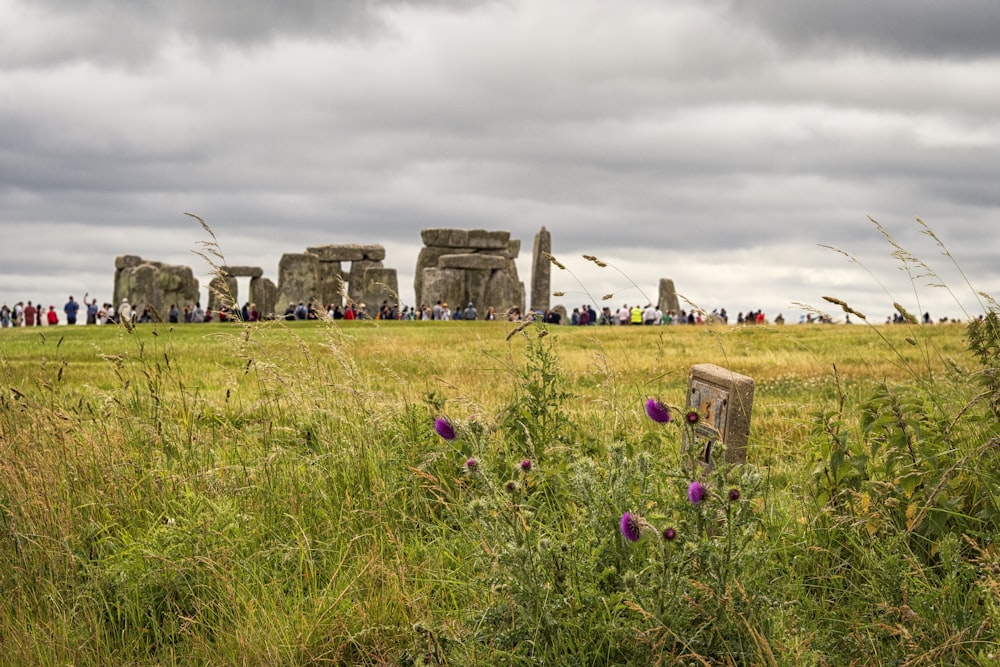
[445,285]
[541,271]
[222,291]
[378,285]
[668,296]
[150,283]
[140,285]
[503,291]
[264,293]
[331,283]
[356,282]
[298,278]
[177,286]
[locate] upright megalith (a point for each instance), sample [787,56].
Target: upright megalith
[541,271]
[148,283]
[222,292]
[459,266]
[668,297]
[264,293]
[356,279]
[298,278]
[378,285]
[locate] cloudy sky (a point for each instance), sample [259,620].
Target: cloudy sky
[721,143]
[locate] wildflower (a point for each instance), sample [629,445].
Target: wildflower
[692,417]
[696,492]
[526,465]
[471,464]
[669,534]
[657,411]
[734,494]
[512,487]
[629,526]
[444,428]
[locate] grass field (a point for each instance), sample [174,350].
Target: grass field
[278,494]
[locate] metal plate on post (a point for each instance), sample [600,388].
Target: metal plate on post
[724,400]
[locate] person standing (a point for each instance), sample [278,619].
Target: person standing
[92,310]
[29,315]
[4,316]
[71,308]
[52,316]
[124,312]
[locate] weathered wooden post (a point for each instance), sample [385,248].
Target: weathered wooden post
[724,400]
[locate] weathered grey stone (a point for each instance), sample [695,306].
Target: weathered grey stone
[177,286]
[128,261]
[348,252]
[668,296]
[222,291]
[724,400]
[332,285]
[473,262]
[445,285]
[356,281]
[264,293]
[477,289]
[504,291]
[153,283]
[465,238]
[140,285]
[514,248]
[298,278]
[378,285]
[428,259]
[541,271]
[242,272]
[482,238]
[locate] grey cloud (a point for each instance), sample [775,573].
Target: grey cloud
[129,34]
[922,28]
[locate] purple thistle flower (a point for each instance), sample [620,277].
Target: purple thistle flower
[669,534]
[657,411]
[471,464]
[444,428]
[692,417]
[696,492]
[512,487]
[526,465]
[629,526]
[734,494]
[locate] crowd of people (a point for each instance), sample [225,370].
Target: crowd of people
[34,314]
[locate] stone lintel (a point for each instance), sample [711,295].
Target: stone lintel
[348,252]
[473,261]
[242,271]
[465,238]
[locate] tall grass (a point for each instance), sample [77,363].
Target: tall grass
[277,494]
